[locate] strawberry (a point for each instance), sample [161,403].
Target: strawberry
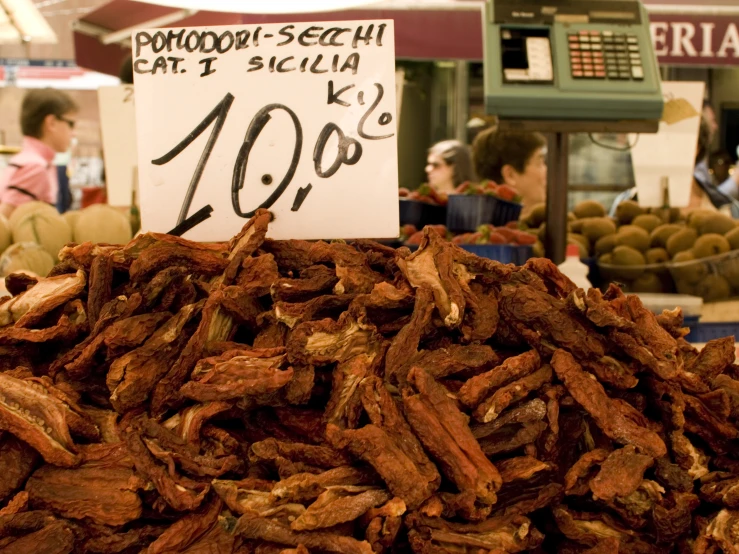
[463,188]
[465,238]
[512,225]
[407,230]
[415,238]
[509,234]
[440,229]
[404,192]
[507,193]
[497,238]
[525,239]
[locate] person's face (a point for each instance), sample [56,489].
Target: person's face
[440,174]
[59,131]
[532,182]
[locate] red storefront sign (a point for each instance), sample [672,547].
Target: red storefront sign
[695,40]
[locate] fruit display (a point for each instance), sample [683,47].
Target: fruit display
[489,188]
[37,226]
[425,193]
[297,397]
[485,234]
[656,249]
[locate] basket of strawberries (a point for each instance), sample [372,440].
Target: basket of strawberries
[505,244]
[479,204]
[423,206]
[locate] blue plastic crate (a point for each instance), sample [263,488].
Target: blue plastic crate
[704,332]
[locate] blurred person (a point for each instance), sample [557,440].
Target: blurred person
[719,164]
[707,191]
[48,117]
[710,116]
[449,164]
[125,72]
[517,159]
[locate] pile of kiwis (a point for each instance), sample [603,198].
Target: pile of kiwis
[653,249]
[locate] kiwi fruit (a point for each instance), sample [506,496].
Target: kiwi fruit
[683,287]
[604,245]
[657,256]
[606,259]
[681,241]
[589,208]
[627,210]
[713,288]
[658,237]
[576,226]
[718,223]
[730,271]
[538,249]
[597,227]
[668,215]
[633,236]
[710,244]
[648,222]
[697,218]
[582,239]
[630,261]
[733,238]
[648,282]
[537,215]
[690,273]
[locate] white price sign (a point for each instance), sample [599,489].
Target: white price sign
[297,118]
[118,129]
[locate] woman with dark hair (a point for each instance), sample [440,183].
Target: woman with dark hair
[449,164]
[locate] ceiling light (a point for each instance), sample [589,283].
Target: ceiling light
[263,6]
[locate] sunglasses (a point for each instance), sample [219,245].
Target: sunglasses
[69,122]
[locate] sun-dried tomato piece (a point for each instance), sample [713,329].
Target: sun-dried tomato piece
[444,432]
[432,267]
[478,388]
[103,488]
[270,530]
[32,306]
[38,418]
[620,474]
[613,418]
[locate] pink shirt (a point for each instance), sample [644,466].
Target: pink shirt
[30,175]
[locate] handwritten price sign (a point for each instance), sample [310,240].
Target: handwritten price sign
[298,118]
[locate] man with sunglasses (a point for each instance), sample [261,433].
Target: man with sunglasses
[48,117]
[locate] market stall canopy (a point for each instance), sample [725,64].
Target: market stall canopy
[21,22]
[683,32]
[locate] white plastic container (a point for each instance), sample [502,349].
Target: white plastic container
[574,268]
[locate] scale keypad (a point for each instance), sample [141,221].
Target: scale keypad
[605,55]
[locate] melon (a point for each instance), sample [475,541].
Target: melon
[50,230]
[71,218]
[101,223]
[26,256]
[6,235]
[28,208]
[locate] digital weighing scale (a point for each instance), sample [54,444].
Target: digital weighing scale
[569,66]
